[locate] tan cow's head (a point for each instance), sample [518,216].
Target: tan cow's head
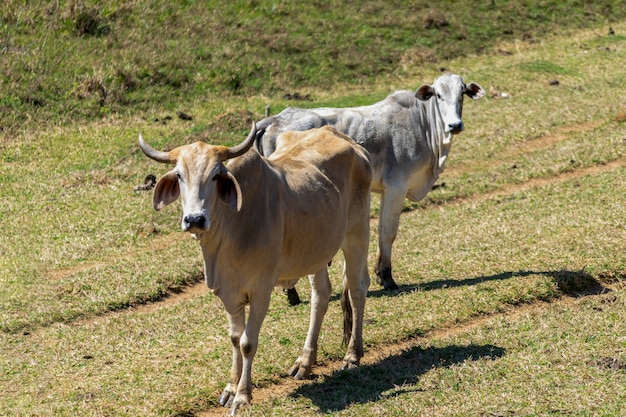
[449,90]
[198,178]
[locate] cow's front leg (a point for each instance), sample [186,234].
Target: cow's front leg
[248,345]
[237,324]
[320,295]
[388,221]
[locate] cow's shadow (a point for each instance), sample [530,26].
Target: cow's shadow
[389,377]
[386,378]
[572,283]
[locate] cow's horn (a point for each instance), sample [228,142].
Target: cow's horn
[243,146]
[152,153]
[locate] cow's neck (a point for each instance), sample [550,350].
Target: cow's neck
[231,234]
[439,140]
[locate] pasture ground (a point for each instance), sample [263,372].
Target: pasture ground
[512,273]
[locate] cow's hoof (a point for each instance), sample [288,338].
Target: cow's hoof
[300,370]
[239,402]
[292,296]
[389,286]
[233,409]
[385,279]
[349,363]
[301,375]
[226,399]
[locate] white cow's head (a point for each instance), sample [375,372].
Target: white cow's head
[198,178]
[448,90]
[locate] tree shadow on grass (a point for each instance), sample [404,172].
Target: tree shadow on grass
[572,283]
[389,377]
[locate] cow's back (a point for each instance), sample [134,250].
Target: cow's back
[331,154]
[291,118]
[391,130]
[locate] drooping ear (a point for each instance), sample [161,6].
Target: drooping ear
[166,191]
[424,92]
[475,91]
[228,189]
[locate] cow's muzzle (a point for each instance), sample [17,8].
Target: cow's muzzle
[194,222]
[456,127]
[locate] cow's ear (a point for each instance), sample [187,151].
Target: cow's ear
[475,91]
[425,92]
[166,191]
[228,189]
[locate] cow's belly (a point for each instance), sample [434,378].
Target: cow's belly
[419,184]
[311,242]
[301,263]
[377,178]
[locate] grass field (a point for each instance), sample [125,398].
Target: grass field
[512,273]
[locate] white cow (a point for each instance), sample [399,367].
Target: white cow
[408,136]
[267,221]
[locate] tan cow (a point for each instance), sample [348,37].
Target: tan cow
[263,222]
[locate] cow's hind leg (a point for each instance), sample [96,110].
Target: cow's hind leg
[289,288]
[356,281]
[320,295]
[353,306]
[388,221]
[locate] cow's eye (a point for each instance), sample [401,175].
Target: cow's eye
[180,177]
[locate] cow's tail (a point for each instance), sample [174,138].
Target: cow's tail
[261,126]
[346,306]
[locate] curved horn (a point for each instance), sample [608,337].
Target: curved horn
[243,146]
[158,156]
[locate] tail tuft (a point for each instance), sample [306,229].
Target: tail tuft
[346,307]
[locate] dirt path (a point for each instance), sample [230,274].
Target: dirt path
[523,148]
[540,182]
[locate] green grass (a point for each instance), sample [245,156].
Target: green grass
[557,360]
[531,212]
[545,67]
[66,61]
[491,257]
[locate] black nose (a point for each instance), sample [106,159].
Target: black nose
[456,127]
[195,220]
